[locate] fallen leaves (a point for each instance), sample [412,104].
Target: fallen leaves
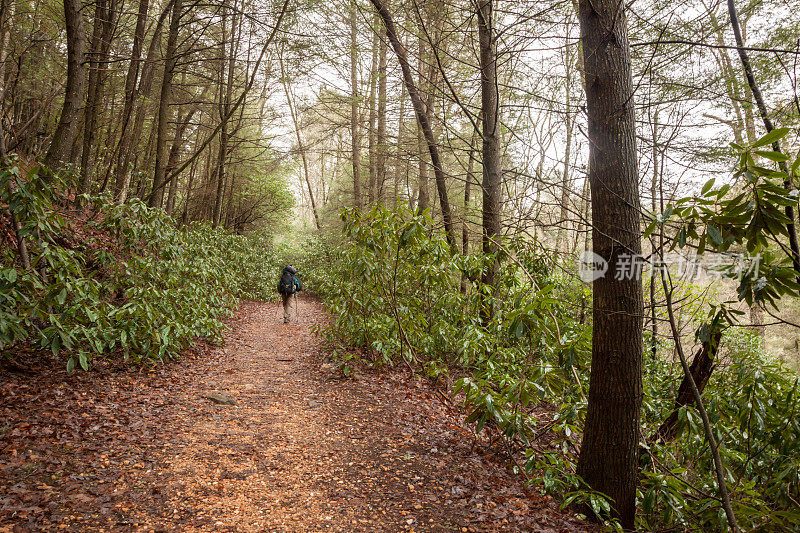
[127,449]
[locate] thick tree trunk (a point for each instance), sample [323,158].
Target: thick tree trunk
[157,195]
[608,459]
[66,133]
[354,129]
[419,108]
[492,175]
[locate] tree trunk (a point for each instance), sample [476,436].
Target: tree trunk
[300,145]
[6,16]
[492,176]
[565,176]
[129,155]
[100,46]
[701,369]
[419,108]
[423,194]
[400,139]
[174,151]
[227,96]
[130,96]
[354,130]
[653,192]
[608,459]
[373,115]
[380,157]
[157,195]
[66,132]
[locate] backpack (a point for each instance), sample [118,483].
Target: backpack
[286,284]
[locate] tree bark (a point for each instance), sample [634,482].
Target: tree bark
[227,97]
[701,369]
[423,195]
[419,108]
[565,176]
[400,147]
[69,123]
[157,194]
[608,460]
[380,157]
[100,46]
[6,16]
[130,96]
[354,129]
[492,175]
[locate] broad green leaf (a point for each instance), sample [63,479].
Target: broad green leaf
[771,137]
[714,234]
[707,186]
[778,157]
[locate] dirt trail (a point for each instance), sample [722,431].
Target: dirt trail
[302,450]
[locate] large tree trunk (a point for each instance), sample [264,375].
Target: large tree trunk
[354,129]
[492,176]
[66,133]
[424,122]
[608,459]
[159,180]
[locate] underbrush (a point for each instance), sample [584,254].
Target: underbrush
[398,296]
[116,279]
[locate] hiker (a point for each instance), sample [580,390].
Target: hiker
[289,286]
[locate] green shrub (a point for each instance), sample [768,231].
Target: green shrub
[395,292]
[131,282]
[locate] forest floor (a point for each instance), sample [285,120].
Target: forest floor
[143,449]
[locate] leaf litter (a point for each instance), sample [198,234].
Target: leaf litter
[153,449]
